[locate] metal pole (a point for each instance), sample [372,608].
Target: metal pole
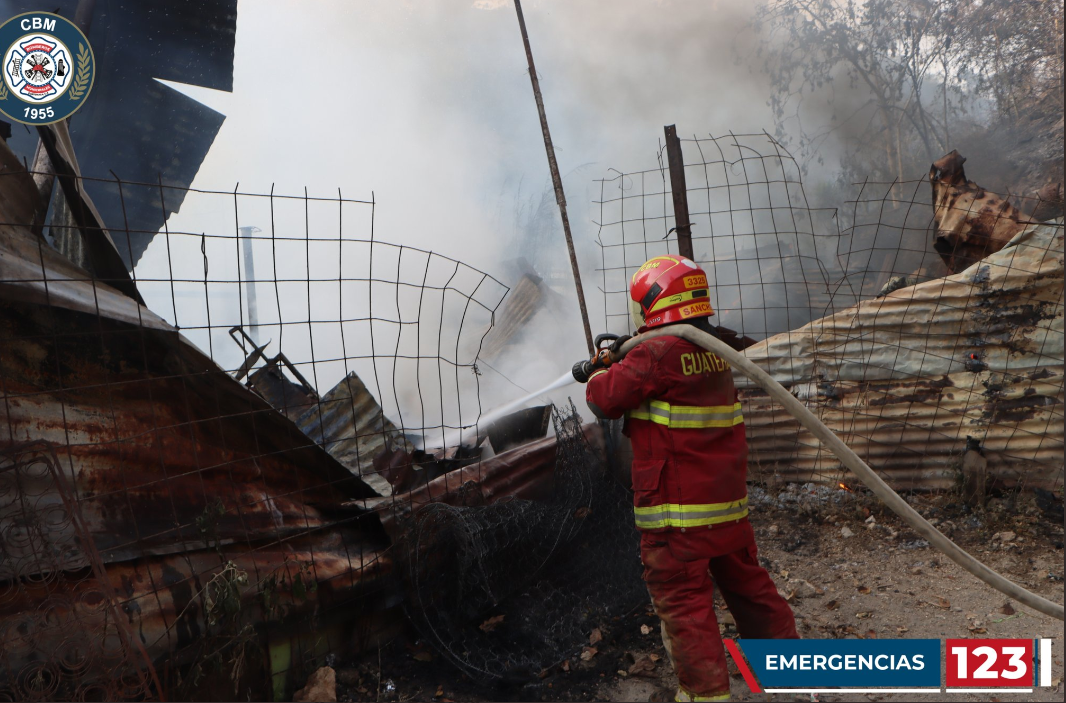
[680,193]
[249,281]
[560,199]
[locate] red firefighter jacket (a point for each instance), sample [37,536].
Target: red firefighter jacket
[684,420]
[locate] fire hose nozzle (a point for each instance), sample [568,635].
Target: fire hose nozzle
[604,356]
[582,371]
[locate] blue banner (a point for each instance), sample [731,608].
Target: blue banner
[844,663]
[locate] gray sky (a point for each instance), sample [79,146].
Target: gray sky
[428,105]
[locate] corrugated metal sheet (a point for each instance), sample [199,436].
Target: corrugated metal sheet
[906,378]
[179,471]
[518,310]
[524,472]
[153,433]
[67,640]
[175,467]
[349,424]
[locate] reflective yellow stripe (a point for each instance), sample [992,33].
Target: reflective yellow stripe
[689,416]
[597,374]
[674,515]
[678,299]
[683,696]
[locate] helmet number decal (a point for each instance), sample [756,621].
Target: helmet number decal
[695,282]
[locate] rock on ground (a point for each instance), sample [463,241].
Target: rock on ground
[321,686]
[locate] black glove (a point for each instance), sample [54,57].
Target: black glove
[616,346]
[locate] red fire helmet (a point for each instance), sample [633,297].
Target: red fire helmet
[668,289]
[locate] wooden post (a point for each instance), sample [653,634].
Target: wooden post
[680,193]
[560,198]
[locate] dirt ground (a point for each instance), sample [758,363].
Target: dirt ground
[850,570]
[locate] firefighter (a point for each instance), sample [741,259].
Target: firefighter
[689,472]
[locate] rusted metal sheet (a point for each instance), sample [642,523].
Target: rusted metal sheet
[523,472]
[176,469]
[971,222]
[154,435]
[62,637]
[906,378]
[165,600]
[162,595]
[350,425]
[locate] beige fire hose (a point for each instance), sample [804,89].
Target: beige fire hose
[853,462]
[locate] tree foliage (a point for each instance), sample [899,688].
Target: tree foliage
[898,82]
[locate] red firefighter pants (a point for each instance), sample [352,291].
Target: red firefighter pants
[681,582]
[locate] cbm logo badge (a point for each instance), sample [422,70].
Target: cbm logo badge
[48,68]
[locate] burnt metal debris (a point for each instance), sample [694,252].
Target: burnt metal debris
[195,517]
[860,318]
[64,637]
[898,377]
[507,589]
[231,543]
[347,422]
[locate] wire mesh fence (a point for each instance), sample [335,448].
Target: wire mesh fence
[281,446]
[69,640]
[922,321]
[751,228]
[219,441]
[507,590]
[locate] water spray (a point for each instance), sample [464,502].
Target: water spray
[605,346]
[471,434]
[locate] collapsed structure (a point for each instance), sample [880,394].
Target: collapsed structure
[910,367]
[175,469]
[926,372]
[912,379]
[169,527]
